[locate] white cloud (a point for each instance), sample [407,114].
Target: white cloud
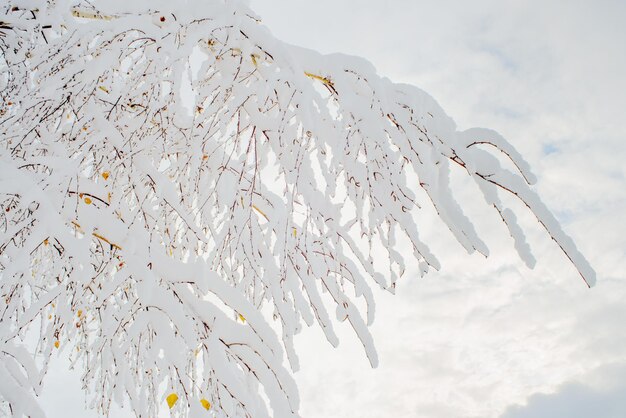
[484,335]
[603,397]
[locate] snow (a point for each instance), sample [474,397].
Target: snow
[207,214]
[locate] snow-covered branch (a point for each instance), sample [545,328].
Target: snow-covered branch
[173,177]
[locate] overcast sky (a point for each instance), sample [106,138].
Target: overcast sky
[490,338]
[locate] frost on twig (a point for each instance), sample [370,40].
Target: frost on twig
[174,177]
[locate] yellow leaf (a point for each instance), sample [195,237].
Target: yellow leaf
[295,232]
[57,344]
[242,318]
[327,81]
[79,313]
[105,175]
[324,80]
[171,399]
[88,200]
[45,241]
[104,89]
[206,404]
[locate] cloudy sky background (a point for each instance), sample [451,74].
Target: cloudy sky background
[491,338]
[486,338]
